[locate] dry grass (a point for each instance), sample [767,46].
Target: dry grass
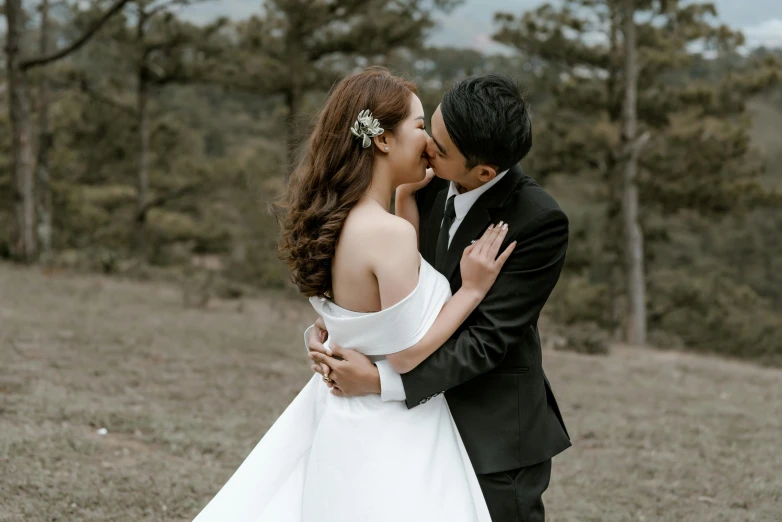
[185,394]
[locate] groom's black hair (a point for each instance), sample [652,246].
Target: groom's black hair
[488,120]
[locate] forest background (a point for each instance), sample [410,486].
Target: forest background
[146,138]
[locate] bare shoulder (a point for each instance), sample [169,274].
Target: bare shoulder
[393,252]
[397,228]
[393,235]
[383,239]
[378,230]
[387,246]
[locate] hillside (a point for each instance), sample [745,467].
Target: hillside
[185,394]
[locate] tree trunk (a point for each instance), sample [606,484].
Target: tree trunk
[143,166]
[293,103]
[613,248]
[613,237]
[294,91]
[23,241]
[44,143]
[142,100]
[23,172]
[634,249]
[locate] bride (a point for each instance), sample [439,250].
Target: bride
[357,459]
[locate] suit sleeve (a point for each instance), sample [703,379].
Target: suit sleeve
[503,317]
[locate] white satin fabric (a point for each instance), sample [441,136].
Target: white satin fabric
[359,459]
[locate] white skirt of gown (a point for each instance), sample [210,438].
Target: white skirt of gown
[358,459]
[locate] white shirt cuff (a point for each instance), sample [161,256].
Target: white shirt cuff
[307,337]
[391,387]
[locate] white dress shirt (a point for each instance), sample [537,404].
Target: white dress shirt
[391,387]
[462,203]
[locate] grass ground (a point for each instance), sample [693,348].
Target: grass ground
[185,394]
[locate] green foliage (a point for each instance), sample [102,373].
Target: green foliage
[317,42]
[713,313]
[577,300]
[723,178]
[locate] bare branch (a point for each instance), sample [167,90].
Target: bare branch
[171,3]
[640,144]
[151,47]
[95,95]
[43,60]
[162,7]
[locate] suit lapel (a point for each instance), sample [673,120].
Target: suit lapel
[432,227]
[478,218]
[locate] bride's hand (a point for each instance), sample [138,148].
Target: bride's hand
[412,188]
[480,265]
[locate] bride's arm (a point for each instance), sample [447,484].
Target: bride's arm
[479,267]
[452,315]
[405,205]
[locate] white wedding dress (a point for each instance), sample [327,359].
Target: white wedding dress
[358,459]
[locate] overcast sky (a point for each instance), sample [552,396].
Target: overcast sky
[470,25]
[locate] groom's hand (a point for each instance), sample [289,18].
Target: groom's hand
[351,372]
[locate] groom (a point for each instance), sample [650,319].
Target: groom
[491,369]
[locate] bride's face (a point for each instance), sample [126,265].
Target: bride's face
[407,146]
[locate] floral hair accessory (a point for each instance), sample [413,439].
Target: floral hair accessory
[366,127]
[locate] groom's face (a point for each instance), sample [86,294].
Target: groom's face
[449,163]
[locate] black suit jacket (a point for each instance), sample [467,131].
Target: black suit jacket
[490,370]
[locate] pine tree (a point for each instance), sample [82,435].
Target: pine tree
[580,132]
[300,46]
[156,49]
[24,239]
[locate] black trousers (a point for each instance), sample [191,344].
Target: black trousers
[517,495]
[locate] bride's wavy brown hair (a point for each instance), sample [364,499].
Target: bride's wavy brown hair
[334,172]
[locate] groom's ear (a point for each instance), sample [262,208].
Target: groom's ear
[485,173]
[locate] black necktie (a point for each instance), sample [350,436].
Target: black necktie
[442,238]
